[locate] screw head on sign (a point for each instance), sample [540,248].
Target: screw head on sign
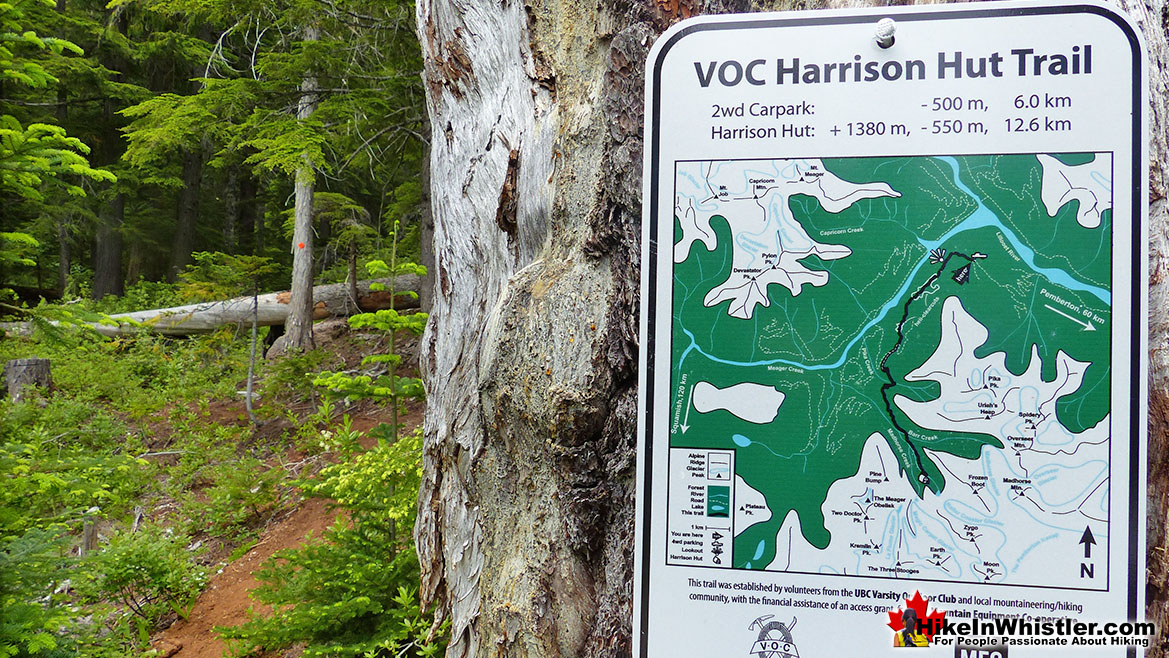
[885,29]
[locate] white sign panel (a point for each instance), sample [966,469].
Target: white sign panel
[893,334]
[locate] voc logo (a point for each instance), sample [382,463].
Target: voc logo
[775,639]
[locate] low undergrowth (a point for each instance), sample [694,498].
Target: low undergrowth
[138,475]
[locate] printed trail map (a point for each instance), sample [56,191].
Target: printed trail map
[880,365]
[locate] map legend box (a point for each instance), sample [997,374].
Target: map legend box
[701,500]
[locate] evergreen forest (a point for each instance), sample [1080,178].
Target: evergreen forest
[237,489]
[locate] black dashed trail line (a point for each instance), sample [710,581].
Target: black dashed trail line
[901,338]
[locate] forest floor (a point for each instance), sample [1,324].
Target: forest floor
[155,511]
[227,600]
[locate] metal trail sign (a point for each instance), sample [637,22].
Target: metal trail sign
[893,329]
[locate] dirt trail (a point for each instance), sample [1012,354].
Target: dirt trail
[227,598]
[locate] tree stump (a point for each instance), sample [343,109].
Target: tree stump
[22,373]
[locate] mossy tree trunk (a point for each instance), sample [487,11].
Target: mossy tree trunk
[525,528]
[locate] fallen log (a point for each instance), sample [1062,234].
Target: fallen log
[271,309]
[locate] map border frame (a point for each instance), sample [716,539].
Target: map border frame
[1111,442]
[650,230]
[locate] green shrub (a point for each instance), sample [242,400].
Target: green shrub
[138,375]
[33,612]
[352,593]
[150,572]
[141,296]
[291,376]
[241,493]
[48,480]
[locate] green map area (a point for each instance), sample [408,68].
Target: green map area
[1024,242]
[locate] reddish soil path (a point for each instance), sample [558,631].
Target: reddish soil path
[227,598]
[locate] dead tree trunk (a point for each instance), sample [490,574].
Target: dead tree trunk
[332,300]
[19,374]
[525,526]
[300,321]
[525,529]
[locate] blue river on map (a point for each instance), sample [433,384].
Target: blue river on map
[982,217]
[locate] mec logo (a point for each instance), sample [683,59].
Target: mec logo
[994,651]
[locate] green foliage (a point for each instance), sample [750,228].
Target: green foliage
[90,451]
[379,488]
[68,457]
[61,463]
[17,248]
[33,154]
[347,217]
[241,493]
[291,376]
[50,477]
[284,144]
[406,202]
[343,440]
[14,39]
[215,275]
[137,376]
[149,571]
[390,387]
[352,593]
[163,85]
[164,125]
[140,296]
[379,269]
[364,387]
[33,612]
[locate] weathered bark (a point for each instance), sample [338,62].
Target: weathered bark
[525,525]
[299,327]
[20,374]
[525,529]
[334,299]
[426,239]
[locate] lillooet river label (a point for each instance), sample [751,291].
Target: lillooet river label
[893,336]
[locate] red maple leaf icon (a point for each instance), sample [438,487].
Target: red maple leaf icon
[930,622]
